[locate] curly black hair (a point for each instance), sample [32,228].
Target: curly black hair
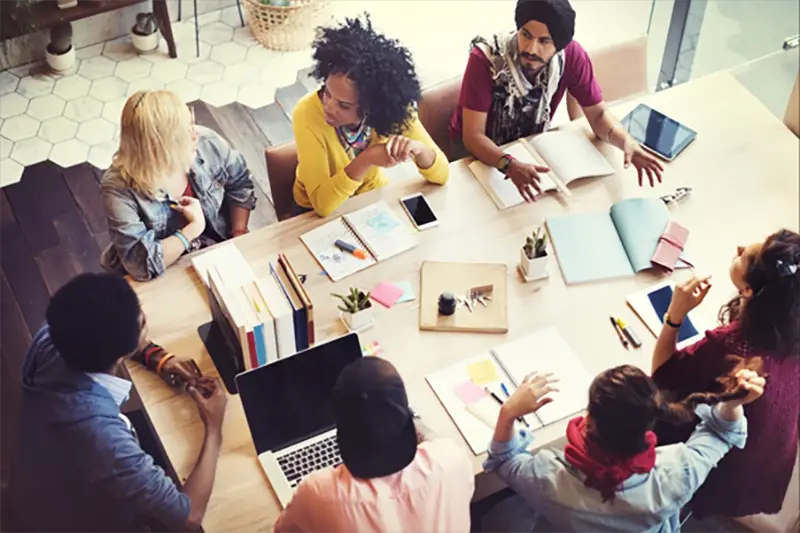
[380,67]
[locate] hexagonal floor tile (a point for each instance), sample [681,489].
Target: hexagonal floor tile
[149,84]
[230,16]
[133,69]
[5,147]
[208,18]
[261,56]
[12,105]
[19,128]
[159,55]
[244,37]
[37,85]
[169,71]
[72,87]
[187,51]
[255,96]
[109,89]
[8,82]
[112,111]
[187,90]
[83,108]
[58,129]
[88,52]
[216,33]
[45,107]
[95,131]
[100,155]
[228,53]
[30,151]
[205,72]
[242,74]
[69,152]
[97,68]
[219,94]
[119,49]
[10,172]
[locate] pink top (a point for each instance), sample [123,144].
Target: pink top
[431,494]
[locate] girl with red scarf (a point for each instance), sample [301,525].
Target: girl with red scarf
[610,476]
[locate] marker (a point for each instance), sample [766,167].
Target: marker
[622,338]
[500,401]
[629,333]
[347,247]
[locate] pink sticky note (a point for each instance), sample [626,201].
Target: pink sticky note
[469,393]
[386,294]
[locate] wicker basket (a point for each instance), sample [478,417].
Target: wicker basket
[284,27]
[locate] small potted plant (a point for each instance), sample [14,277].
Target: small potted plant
[60,53]
[144,34]
[356,308]
[533,260]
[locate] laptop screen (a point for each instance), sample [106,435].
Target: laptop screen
[289,400]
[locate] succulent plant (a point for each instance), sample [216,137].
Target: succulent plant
[60,39]
[536,245]
[354,301]
[145,24]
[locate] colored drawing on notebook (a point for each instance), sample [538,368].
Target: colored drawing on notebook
[468,392]
[382,222]
[482,372]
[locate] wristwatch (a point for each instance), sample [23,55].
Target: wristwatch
[670,323]
[504,163]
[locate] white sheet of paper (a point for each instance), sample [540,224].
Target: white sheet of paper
[571,155]
[381,230]
[337,263]
[229,261]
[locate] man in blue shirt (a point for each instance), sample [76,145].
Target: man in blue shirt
[79,466]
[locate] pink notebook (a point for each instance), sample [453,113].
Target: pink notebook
[386,294]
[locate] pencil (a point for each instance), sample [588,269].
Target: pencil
[622,338]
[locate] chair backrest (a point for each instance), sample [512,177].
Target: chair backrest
[281,168]
[620,70]
[436,106]
[792,116]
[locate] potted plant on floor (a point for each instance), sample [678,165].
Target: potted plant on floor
[533,259]
[60,53]
[356,308]
[144,34]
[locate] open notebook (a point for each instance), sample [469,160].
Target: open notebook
[461,387]
[568,154]
[612,244]
[375,229]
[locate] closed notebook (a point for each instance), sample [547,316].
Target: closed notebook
[298,309]
[568,154]
[376,229]
[282,314]
[300,289]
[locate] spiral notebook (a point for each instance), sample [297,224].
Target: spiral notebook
[375,229]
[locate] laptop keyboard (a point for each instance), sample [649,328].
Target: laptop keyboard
[298,464]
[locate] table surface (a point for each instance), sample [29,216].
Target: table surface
[742,168]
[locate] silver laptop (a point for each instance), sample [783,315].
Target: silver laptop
[290,413]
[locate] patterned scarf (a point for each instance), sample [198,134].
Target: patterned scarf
[356,140]
[519,108]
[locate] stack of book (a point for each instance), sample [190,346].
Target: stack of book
[262,320]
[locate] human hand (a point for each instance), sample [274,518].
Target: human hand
[687,296]
[644,161]
[530,396]
[210,406]
[750,381]
[526,178]
[192,211]
[379,156]
[180,371]
[402,148]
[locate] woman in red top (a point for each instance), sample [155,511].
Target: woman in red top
[762,321]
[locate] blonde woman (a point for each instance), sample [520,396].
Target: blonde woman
[173,187]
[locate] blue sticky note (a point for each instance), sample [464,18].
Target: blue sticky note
[408,292]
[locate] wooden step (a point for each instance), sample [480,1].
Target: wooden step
[273,123]
[287,97]
[308,81]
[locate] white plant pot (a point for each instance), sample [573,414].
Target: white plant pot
[145,44]
[535,268]
[360,320]
[61,63]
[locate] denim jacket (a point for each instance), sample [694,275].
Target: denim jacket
[137,223]
[648,502]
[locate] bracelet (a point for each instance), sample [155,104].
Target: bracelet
[186,244]
[670,323]
[150,350]
[163,361]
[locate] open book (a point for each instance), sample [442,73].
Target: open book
[375,229]
[617,243]
[465,389]
[568,154]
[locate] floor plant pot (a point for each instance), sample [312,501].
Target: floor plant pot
[61,62]
[145,44]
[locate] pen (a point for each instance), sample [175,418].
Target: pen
[622,338]
[500,401]
[505,390]
[629,333]
[347,247]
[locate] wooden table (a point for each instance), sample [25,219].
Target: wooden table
[743,169]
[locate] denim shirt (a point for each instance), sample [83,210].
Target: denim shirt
[648,502]
[137,223]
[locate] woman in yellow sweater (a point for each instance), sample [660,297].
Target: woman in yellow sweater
[361,121]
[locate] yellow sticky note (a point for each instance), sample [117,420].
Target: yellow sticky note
[482,372]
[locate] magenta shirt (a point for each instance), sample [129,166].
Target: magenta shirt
[477,85]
